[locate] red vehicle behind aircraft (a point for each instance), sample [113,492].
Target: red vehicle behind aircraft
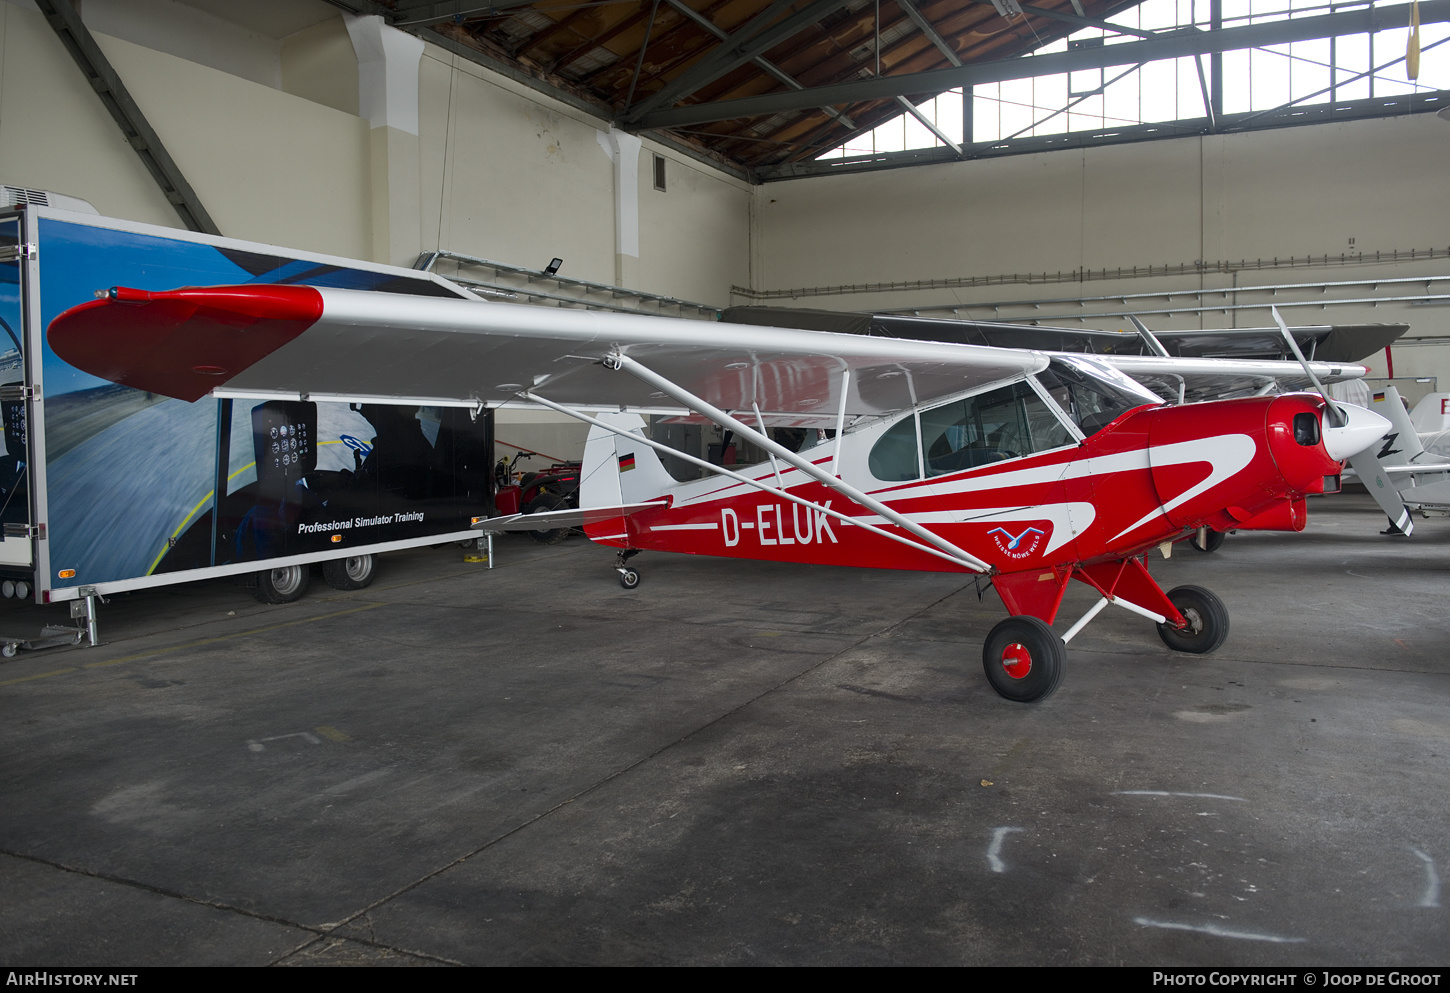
[1034,469]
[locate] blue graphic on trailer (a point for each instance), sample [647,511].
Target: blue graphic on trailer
[134,477]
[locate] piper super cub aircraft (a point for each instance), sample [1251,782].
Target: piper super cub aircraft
[1030,469]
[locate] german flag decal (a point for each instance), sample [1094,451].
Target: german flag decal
[626,462]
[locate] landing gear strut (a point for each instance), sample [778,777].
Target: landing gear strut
[628,578]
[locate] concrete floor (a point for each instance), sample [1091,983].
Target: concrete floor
[737,763]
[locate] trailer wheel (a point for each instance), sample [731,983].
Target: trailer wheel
[352,573]
[283,584]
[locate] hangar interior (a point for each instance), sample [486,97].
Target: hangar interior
[672,157]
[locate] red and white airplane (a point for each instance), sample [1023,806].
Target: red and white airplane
[1031,469]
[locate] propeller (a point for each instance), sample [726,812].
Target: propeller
[1412,49]
[1372,474]
[1350,430]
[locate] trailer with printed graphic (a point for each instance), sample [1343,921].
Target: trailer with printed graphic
[105,489]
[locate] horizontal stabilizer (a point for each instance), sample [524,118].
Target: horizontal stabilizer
[570,517]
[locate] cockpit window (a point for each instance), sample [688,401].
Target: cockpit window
[1092,392]
[964,434]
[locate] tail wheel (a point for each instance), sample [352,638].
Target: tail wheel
[1207,619]
[539,504]
[1023,659]
[351,573]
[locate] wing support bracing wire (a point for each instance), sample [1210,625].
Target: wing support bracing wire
[757,484]
[618,360]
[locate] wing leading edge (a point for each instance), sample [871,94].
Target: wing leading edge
[292,340]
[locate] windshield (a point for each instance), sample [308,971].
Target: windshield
[1092,392]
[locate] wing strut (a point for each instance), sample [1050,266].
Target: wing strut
[618,360]
[841,421]
[974,565]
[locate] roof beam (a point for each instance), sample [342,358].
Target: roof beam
[760,60]
[65,20]
[418,14]
[733,52]
[1148,50]
[1086,22]
[909,6]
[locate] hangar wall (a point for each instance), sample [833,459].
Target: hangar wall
[269,132]
[1325,190]
[272,134]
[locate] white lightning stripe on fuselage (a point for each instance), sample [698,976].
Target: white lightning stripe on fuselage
[685,527]
[1227,455]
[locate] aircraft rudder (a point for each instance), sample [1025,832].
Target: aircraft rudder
[1402,444]
[618,470]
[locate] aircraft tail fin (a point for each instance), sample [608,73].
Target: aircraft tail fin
[619,471]
[1402,445]
[1432,413]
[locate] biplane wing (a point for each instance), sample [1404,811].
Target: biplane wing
[289,341]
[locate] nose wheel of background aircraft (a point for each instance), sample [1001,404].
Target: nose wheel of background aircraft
[628,578]
[1207,540]
[1207,621]
[1023,659]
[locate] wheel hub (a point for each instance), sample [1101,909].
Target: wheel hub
[1016,660]
[1194,621]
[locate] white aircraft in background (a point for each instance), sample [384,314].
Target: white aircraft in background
[1408,470]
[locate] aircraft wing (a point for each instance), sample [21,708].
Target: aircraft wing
[1325,342]
[1222,379]
[289,341]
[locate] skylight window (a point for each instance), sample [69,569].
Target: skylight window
[1304,74]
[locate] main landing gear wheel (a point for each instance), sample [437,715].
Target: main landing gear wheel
[283,584]
[351,573]
[551,536]
[1207,540]
[1207,621]
[1023,659]
[628,578]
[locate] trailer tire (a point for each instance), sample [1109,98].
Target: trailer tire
[283,584]
[352,573]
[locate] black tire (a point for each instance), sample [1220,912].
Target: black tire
[352,573]
[628,578]
[540,504]
[1212,540]
[1207,621]
[283,584]
[1023,659]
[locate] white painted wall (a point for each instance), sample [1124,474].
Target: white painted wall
[510,175]
[264,122]
[267,165]
[1290,192]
